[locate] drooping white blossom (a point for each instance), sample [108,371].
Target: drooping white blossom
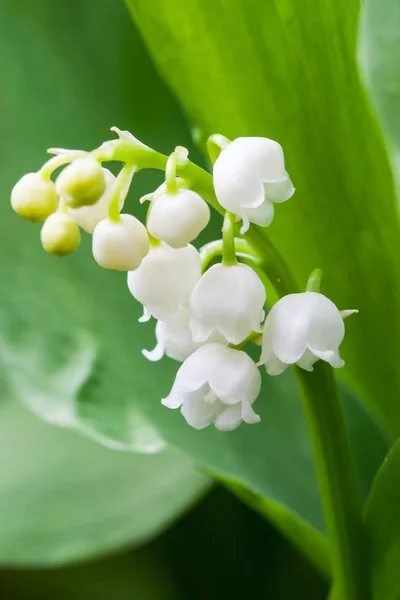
[177,219]
[120,245]
[87,217]
[34,197]
[82,182]
[227,299]
[302,328]
[175,339]
[249,177]
[216,385]
[165,279]
[60,234]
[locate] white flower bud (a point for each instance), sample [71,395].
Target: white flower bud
[249,176]
[121,246]
[165,279]
[60,234]
[177,219]
[34,198]
[228,299]
[82,183]
[302,328]
[216,385]
[175,340]
[87,217]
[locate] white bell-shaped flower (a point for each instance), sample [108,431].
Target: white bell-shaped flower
[249,177]
[175,339]
[177,219]
[216,385]
[122,245]
[165,279]
[302,328]
[87,217]
[228,299]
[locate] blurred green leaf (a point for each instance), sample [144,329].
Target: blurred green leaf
[380,63]
[287,70]
[64,498]
[382,518]
[70,342]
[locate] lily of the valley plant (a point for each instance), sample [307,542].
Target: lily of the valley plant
[210,305]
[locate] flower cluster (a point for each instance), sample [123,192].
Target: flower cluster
[205,315]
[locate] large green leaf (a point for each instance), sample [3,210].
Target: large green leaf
[65,498]
[380,62]
[287,69]
[383,528]
[70,342]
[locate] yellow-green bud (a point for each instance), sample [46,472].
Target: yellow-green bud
[82,183]
[34,198]
[60,234]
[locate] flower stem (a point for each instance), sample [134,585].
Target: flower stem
[228,240]
[337,480]
[170,173]
[120,189]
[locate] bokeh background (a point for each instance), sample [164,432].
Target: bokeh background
[79,519]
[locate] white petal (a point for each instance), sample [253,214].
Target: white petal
[156,354]
[229,419]
[146,316]
[235,377]
[198,413]
[326,327]
[262,215]
[177,219]
[347,313]
[228,299]
[307,361]
[330,356]
[279,190]
[165,279]
[248,414]
[288,322]
[174,399]
[274,366]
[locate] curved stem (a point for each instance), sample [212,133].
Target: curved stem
[59,161]
[170,173]
[337,480]
[228,240]
[213,249]
[120,189]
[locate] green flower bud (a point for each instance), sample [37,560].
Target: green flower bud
[34,198]
[82,183]
[60,234]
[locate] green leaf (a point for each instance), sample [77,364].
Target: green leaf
[382,517]
[380,63]
[287,70]
[69,337]
[64,498]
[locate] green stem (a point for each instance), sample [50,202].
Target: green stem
[213,249]
[170,173]
[215,144]
[337,480]
[228,240]
[59,161]
[314,281]
[121,188]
